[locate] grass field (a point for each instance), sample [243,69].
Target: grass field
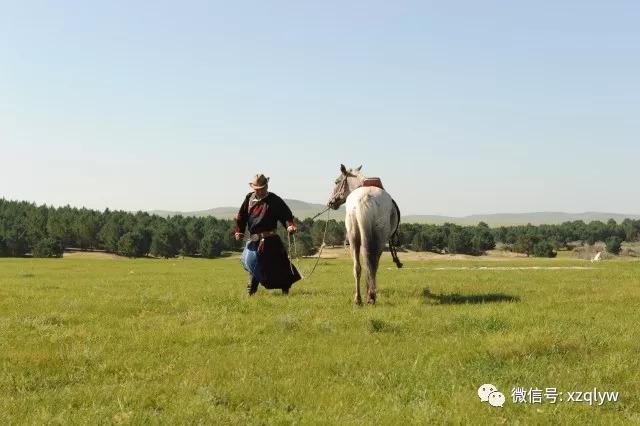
[91,340]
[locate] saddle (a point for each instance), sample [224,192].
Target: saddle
[373,181]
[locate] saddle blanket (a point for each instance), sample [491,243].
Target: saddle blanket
[373,181]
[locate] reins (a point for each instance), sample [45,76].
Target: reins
[321,213]
[295,247]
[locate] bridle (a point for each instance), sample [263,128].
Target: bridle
[342,189]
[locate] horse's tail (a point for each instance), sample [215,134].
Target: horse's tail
[370,241]
[392,248]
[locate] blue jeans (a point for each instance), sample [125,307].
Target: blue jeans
[250,260]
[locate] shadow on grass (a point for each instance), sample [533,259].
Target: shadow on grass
[456,299]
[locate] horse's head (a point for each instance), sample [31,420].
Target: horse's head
[343,187]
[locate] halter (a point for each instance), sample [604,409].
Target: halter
[344,187]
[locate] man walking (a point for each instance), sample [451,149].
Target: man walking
[264,256]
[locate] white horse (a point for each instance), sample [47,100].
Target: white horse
[372,219]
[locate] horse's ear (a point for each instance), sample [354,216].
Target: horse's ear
[358,169]
[343,169]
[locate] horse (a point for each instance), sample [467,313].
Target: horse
[372,219]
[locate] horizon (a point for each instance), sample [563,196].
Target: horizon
[184,212]
[460,109]
[429,214]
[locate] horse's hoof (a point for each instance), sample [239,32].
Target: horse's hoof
[371,299]
[357,301]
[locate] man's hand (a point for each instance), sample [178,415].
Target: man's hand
[238,236]
[292,229]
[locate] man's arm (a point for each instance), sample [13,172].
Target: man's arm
[286,217]
[241,218]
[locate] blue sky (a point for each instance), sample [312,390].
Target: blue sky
[461,107]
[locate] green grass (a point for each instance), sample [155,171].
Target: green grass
[178,341]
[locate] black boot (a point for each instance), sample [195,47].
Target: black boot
[252,286]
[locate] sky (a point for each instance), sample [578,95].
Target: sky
[461,107]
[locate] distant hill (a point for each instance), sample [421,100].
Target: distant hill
[300,209]
[505,219]
[303,210]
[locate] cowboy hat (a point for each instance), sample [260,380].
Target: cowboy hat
[259,181]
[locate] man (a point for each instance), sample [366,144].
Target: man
[264,256]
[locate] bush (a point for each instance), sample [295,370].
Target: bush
[303,246]
[614,245]
[48,247]
[483,239]
[544,249]
[165,241]
[525,244]
[461,241]
[132,244]
[422,242]
[212,244]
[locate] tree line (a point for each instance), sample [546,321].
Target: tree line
[44,231]
[540,241]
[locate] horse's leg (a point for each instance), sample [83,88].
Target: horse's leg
[372,287]
[353,234]
[371,256]
[357,270]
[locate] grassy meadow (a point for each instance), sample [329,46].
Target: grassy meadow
[115,340]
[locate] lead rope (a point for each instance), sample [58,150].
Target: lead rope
[295,249]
